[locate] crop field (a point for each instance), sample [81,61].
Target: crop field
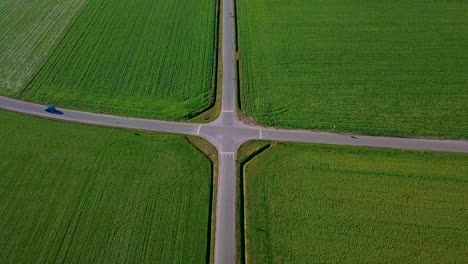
[29,31]
[138,58]
[373,67]
[80,194]
[338,204]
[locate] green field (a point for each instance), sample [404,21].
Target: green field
[29,31]
[338,204]
[140,58]
[81,194]
[375,67]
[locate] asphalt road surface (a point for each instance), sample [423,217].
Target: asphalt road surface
[227,133]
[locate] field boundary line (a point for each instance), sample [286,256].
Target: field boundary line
[46,61]
[240,173]
[214,89]
[211,154]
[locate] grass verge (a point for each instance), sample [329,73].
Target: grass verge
[212,154]
[247,151]
[213,111]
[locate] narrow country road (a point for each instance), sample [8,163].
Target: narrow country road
[227,133]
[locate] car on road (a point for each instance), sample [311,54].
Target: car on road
[50,109]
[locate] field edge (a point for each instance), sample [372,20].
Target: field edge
[213,109]
[210,152]
[247,152]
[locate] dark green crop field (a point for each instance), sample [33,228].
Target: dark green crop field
[338,204]
[374,67]
[139,58]
[29,31]
[80,194]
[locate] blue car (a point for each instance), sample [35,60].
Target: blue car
[50,109]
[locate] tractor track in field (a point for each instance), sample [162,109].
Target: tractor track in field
[227,133]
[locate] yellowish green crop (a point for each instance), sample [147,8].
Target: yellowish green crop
[29,32]
[338,204]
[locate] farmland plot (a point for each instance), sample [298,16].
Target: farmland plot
[29,31]
[375,67]
[81,194]
[142,58]
[342,204]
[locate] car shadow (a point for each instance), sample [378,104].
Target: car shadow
[56,112]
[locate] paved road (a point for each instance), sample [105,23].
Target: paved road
[369,141]
[227,133]
[99,119]
[225,236]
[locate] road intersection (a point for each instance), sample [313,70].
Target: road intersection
[227,133]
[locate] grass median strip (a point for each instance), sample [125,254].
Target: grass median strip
[350,204]
[83,194]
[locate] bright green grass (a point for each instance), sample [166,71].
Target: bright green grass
[80,194]
[29,31]
[150,58]
[379,67]
[329,204]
